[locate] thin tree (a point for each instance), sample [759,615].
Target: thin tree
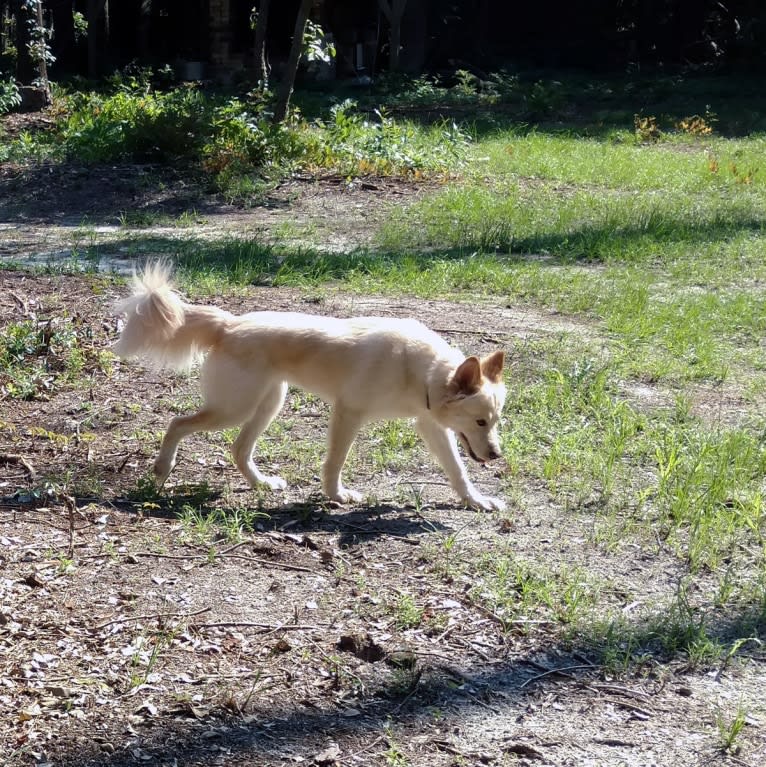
[261,21]
[291,69]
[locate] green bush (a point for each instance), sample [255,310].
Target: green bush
[137,126]
[234,141]
[359,144]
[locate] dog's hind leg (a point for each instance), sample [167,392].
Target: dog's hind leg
[207,419]
[344,426]
[242,450]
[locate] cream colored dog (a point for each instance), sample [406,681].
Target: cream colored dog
[367,368]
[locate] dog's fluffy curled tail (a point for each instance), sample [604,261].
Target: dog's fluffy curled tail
[160,327]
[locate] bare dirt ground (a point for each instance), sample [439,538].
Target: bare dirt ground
[129,638]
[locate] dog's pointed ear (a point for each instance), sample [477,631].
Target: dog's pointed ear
[492,366]
[467,378]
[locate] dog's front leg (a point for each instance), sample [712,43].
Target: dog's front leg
[443,445]
[344,426]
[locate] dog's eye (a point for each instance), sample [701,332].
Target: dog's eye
[481,422]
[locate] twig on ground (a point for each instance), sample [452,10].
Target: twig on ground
[14,458]
[563,671]
[470,646]
[619,690]
[71,511]
[267,627]
[129,618]
[258,560]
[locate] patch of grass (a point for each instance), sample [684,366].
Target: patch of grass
[522,594]
[204,526]
[143,219]
[390,444]
[38,356]
[406,613]
[699,485]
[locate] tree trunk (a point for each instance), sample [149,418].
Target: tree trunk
[144,28]
[98,35]
[63,43]
[288,78]
[26,71]
[261,60]
[31,65]
[393,11]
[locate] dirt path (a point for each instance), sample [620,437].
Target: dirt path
[71,211]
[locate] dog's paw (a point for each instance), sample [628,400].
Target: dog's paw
[274,483]
[484,502]
[161,471]
[344,495]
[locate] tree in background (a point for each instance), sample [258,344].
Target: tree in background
[291,68]
[260,21]
[33,55]
[393,11]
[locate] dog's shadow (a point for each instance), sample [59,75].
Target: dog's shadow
[358,523]
[354,524]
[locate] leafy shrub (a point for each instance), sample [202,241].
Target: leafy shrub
[235,141]
[697,125]
[10,97]
[646,129]
[137,126]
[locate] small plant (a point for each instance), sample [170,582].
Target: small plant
[66,565]
[697,125]
[407,614]
[393,755]
[35,355]
[316,46]
[143,661]
[729,729]
[646,129]
[199,525]
[546,97]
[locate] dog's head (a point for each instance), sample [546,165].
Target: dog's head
[474,402]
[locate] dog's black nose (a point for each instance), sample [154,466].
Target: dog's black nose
[493,454]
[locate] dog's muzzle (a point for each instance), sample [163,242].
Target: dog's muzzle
[493,453]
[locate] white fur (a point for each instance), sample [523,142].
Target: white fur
[367,368]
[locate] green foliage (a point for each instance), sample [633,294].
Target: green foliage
[359,144]
[232,140]
[315,44]
[10,97]
[35,356]
[244,143]
[136,126]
